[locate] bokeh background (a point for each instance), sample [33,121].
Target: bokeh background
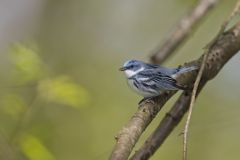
[62,96]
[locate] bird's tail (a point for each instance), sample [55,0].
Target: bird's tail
[183,70]
[187,69]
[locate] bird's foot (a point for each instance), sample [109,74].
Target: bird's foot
[144,101]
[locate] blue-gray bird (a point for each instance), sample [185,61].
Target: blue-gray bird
[150,80]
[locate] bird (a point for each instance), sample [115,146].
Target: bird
[150,80]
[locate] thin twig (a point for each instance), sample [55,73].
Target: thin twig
[193,97]
[199,76]
[23,119]
[183,30]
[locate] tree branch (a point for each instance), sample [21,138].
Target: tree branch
[183,30]
[224,48]
[130,133]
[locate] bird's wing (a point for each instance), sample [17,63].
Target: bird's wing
[164,70]
[154,78]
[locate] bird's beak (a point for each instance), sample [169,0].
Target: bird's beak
[122,69]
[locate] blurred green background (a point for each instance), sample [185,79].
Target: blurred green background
[62,96]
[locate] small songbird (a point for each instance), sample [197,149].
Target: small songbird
[151,80]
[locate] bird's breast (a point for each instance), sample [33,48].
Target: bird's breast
[140,89]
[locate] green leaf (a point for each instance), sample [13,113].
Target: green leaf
[63,90]
[28,65]
[34,149]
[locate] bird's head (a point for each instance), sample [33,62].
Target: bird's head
[132,67]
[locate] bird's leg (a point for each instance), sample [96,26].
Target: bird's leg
[145,100]
[140,103]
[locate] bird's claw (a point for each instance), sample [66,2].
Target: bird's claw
[144,101]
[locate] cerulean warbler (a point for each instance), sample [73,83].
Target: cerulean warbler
[151,80]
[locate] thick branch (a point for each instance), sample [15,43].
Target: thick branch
[225,47]
[130,133]
[183,30]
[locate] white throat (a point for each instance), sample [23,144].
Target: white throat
[130,73]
